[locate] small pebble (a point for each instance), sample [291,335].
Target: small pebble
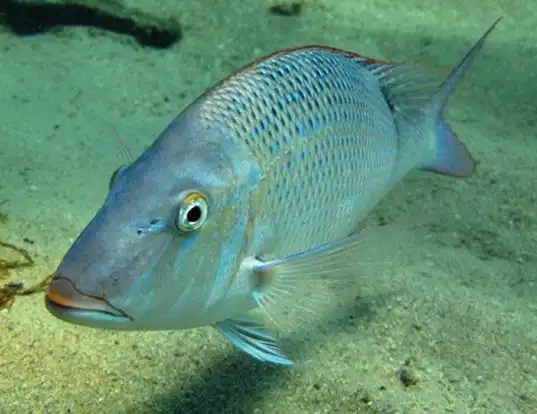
[407,376]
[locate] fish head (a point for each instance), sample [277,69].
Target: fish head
[168,238]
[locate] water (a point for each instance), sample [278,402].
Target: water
[455,322]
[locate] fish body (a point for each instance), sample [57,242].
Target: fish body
[252,194]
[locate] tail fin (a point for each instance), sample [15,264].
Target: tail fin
[415,97]
[452,157]
[443,93]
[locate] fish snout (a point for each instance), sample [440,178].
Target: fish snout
[62,296]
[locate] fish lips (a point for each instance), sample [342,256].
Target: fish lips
[65,302]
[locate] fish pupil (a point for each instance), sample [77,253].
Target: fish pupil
[194,214]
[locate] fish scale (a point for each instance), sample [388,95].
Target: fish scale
[323,135]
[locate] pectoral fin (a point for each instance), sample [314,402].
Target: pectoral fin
[301,288]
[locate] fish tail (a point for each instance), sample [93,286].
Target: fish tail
[417,96]
[451,156]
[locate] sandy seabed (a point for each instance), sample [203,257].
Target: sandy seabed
[458,314]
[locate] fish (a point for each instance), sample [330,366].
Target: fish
[242,213]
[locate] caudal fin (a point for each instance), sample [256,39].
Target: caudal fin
[452,157]
[417,96]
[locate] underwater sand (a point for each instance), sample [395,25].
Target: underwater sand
[459,314]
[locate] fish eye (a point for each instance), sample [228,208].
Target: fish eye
[192,212]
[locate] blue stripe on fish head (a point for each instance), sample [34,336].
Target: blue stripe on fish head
[186,249]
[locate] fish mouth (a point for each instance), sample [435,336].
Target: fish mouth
[66,302]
